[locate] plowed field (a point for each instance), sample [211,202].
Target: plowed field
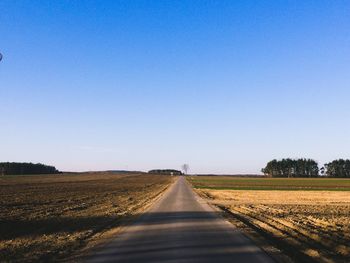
[48,217]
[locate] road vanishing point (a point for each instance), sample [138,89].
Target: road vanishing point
[180,227]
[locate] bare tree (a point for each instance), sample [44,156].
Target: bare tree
[185,167]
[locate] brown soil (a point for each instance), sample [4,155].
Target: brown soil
[45,218]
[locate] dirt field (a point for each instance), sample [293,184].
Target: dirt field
[49,217]
[306,225]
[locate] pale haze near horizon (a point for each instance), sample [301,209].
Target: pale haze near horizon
[221,85]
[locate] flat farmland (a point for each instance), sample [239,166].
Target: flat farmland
[49,217]
[289,184]
[304,221]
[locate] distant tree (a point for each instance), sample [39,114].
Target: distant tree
[338,168]
[8,168]
[185,167]
[165,171]
[322,171]
[291,168]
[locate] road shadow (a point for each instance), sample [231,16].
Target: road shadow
[14,228]
[181,236]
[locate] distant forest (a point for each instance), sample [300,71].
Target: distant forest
[306,168]
[26,168]
[165,171]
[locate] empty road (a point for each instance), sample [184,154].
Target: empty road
[180,227]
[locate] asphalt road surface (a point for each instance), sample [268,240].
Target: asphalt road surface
[180,227]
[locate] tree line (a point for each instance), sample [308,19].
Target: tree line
[7,168]
[165,171]
[306,168]
[337,168]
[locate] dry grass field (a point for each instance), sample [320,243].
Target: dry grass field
[49,217]
[306,225]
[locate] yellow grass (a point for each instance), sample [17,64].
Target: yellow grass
[281,197]
[316,223]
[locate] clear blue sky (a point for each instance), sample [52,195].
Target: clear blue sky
[222,85]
